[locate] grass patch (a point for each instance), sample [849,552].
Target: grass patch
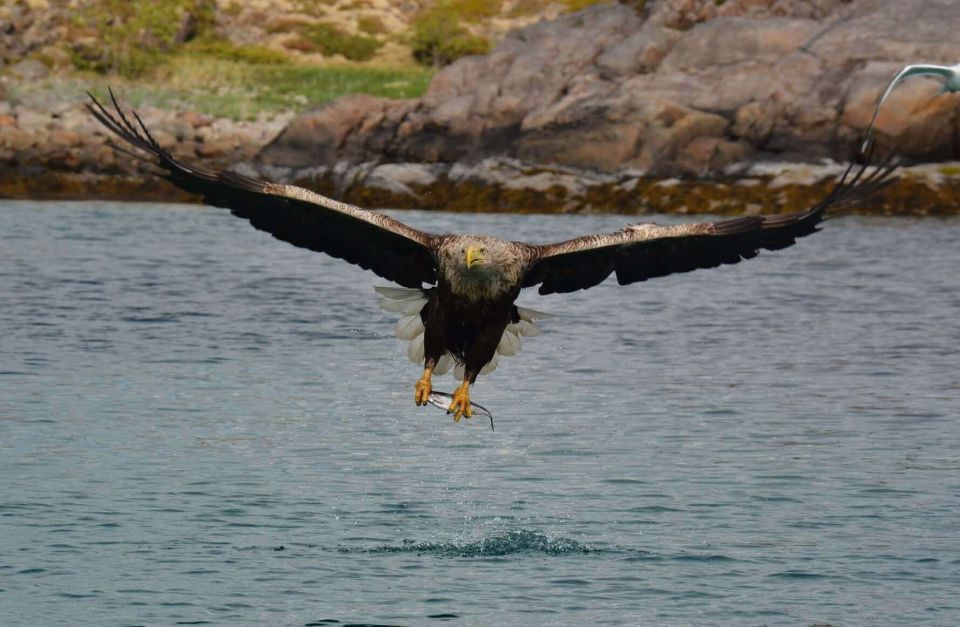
[372,25]
[242,91]
[438,37]
[228,51]
[471,10]
[579,5]
[329,40]
[132,38]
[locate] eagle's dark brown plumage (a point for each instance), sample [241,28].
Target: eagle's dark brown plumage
[469,315]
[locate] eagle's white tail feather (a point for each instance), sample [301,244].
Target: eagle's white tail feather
[400,293]
[527,329]
[531,315]
[408,302]
[403,307]
[509,344]
[409,327]
[415,349]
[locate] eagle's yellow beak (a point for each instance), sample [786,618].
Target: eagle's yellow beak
[475,255]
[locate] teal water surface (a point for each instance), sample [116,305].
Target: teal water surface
[200,424]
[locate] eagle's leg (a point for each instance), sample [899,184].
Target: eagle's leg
[460,405]
[423,387]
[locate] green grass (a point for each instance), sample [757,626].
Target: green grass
[241,91]
[472,10]
[228,51]
[372,26]
[130,38]
[439,39]
[579,5]
[135,47]
[329,40]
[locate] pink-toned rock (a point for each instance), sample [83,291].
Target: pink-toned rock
[916,118]
[728,40]
[671,127]
[166,139]
[105,155]
[17,139]
[180,129]
[754,121]
[65,139]
[68,160]
[196,119]
[316,137]
[681,87]
[604,147]
[639,53]
[710,154]
[33,120]
[217,147]
[684,14]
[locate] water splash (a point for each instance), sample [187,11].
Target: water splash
[508,543]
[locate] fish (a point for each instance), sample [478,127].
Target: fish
[443,400]
[951,75]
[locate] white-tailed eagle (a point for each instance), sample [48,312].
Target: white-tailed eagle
[458,291]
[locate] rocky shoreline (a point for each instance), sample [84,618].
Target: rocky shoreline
[59,151]
[513,187]
[62,153]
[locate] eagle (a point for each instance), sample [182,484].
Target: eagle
[457,291]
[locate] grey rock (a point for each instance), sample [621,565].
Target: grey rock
[507,173]
[28,70]
[687,88]
[17,139]
[729,40]
[322,135]
[639,53]
[416,174]
[33,120]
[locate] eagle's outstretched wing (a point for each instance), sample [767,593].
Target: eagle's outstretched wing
[645,251]
[303,218]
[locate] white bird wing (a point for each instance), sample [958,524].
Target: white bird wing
[911,70]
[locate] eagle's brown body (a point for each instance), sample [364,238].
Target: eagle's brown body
[470,331]
[469,315]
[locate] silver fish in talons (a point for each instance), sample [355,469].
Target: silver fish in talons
[951,83]
[443,400]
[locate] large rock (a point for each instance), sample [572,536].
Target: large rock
[676,87]
[343,128]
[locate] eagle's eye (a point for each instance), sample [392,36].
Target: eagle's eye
[483,251]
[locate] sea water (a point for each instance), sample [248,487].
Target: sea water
[200,424]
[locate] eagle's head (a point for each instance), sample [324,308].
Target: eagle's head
[478,266]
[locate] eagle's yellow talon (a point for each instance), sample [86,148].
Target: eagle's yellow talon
[460,405]
[421,391]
